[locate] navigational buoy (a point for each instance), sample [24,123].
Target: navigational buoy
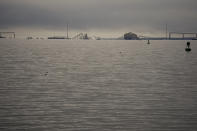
[148,42]
[188,49]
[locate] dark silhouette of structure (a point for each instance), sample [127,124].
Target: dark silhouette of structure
[131,36]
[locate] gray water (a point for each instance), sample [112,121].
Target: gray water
[54,85]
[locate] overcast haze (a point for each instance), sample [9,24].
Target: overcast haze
[140,16]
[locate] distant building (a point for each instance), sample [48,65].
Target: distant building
[130,36]
[7,35]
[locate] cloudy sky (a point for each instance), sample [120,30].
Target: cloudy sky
[98,17]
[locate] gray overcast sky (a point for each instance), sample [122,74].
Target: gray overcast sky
[139,16]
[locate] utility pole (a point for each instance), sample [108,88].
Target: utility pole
[67,31]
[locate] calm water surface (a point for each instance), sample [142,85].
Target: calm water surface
[54,85]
